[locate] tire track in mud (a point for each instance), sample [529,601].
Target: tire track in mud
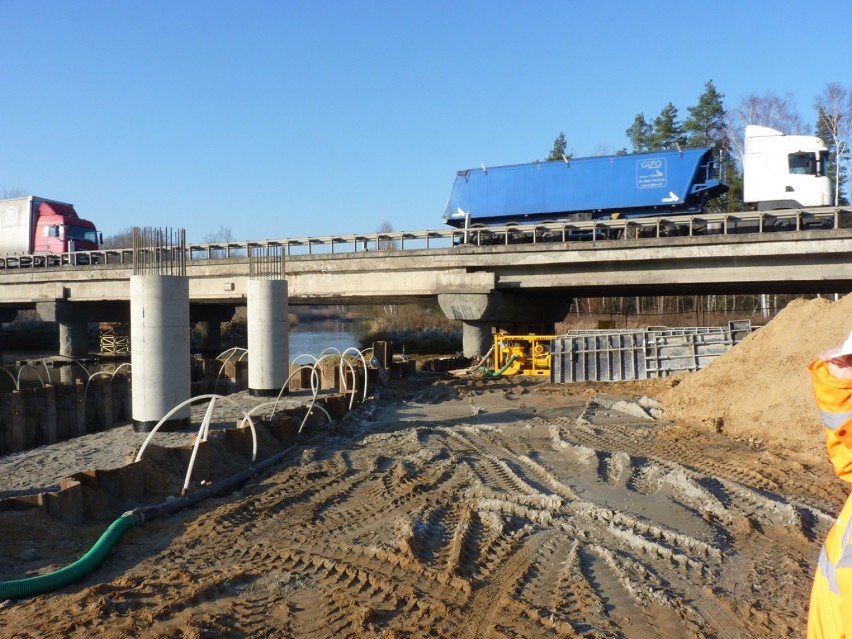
[722,485]
[549,527]
[691,449]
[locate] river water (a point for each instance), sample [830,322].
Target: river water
[312,338]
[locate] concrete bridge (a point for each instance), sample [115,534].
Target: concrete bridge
[521,287]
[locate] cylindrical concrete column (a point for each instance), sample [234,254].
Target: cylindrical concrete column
[476,338]
[159,350]
[268,334]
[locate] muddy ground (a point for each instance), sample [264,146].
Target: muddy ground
[488,508]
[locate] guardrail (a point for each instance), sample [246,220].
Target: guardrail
[545,232]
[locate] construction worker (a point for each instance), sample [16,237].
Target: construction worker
[830,612]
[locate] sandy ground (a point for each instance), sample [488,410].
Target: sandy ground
[482,508]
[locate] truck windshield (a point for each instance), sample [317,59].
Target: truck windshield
[803,163]
[80,234]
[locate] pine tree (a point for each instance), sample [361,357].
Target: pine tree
[559,148]
[705,125]
[639,134]
[732,175]
[667,131]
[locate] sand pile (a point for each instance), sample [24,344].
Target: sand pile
[761,388]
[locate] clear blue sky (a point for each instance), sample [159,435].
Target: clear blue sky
[287,119]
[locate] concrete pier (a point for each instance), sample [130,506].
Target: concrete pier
[160,350]
[73,326]
[473,299]
[268,334]
[477,338]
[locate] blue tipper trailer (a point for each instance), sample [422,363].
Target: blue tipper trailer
[658,183]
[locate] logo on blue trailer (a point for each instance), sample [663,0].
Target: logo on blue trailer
[651,173]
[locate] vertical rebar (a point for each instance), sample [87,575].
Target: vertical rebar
[158,251]
[266,261]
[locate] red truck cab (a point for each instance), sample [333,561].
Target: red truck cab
[60,230]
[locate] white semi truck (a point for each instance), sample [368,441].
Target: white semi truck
[784,171]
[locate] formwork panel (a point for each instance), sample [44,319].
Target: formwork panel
[599,355]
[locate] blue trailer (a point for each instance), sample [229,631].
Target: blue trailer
[605,187]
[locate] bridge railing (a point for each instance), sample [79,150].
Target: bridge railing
[576,233]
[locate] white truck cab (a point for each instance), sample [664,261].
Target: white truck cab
[784,171]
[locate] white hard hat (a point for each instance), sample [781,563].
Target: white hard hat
[839,351]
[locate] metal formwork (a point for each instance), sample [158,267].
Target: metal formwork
[611,356]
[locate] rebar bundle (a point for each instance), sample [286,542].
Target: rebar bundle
[158,251]
[266,261]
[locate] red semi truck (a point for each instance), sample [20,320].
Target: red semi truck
[43,229]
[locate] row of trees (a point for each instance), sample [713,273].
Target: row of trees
[710,123]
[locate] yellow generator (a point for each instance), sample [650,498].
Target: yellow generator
[522,354]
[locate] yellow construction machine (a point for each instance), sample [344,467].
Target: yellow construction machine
[522,354]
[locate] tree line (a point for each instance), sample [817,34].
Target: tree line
[710,123]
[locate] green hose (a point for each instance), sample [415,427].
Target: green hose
[31,586]
[501,371]
[39,584]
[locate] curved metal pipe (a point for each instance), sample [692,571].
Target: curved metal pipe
[35,370]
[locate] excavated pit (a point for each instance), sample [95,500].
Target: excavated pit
[494,508]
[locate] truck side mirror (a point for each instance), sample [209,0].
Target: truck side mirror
[100,238]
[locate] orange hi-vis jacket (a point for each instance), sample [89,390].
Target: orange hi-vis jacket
[830,613]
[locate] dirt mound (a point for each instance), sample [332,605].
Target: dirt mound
[761,388]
